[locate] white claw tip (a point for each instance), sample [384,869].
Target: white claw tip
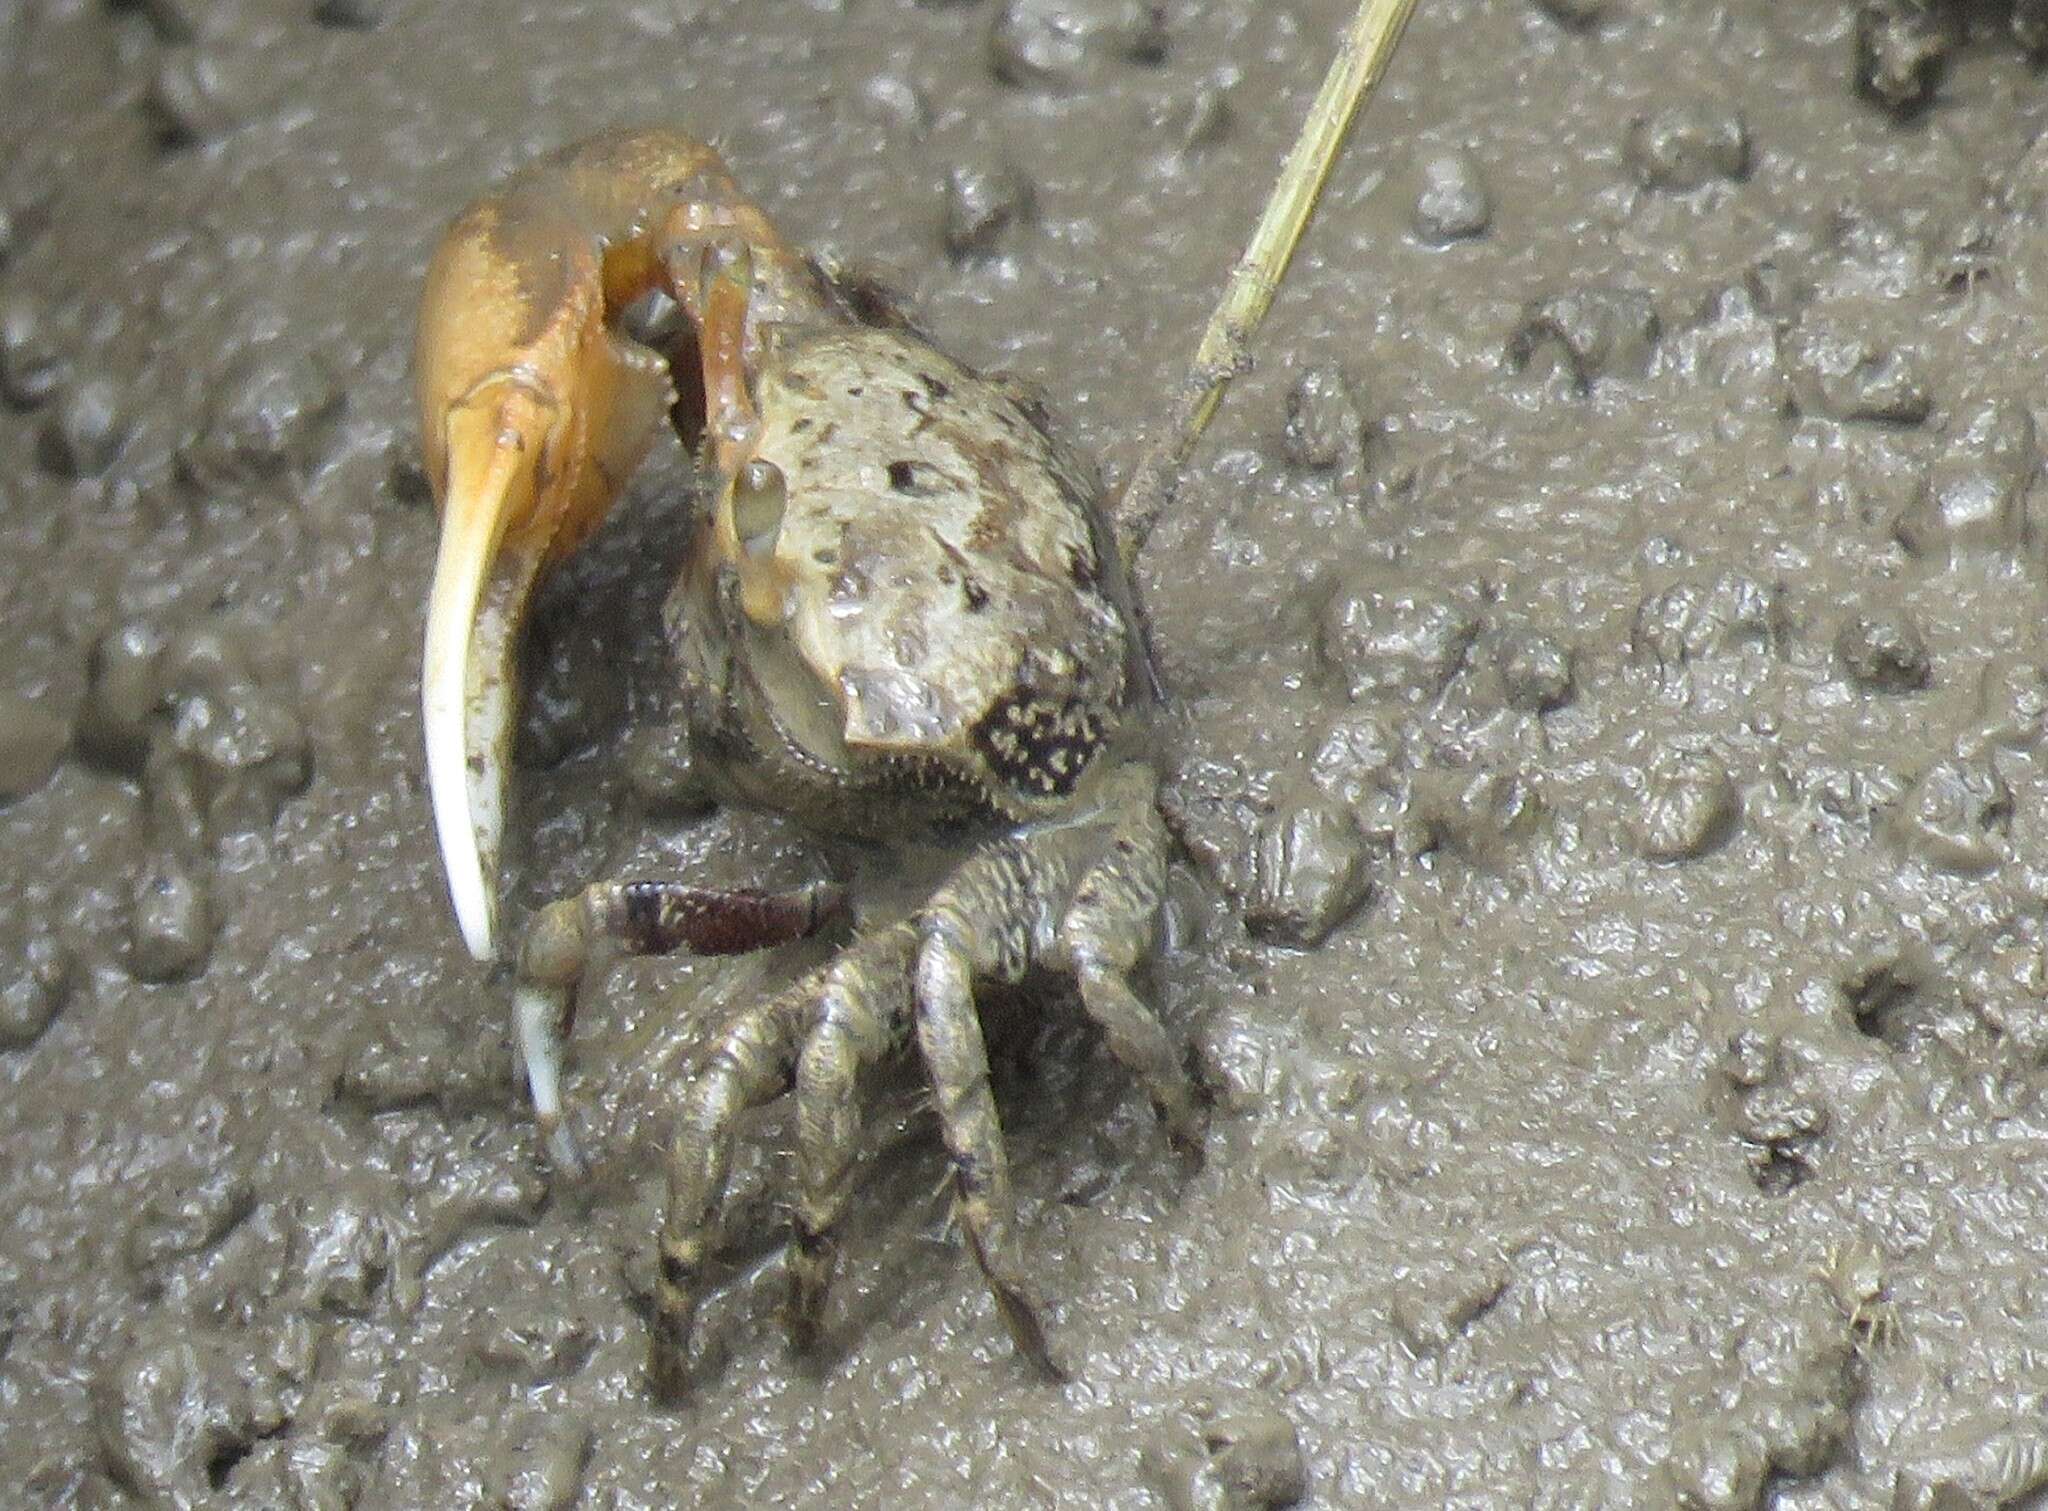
[466,706]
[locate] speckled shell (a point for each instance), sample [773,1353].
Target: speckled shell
[947,575]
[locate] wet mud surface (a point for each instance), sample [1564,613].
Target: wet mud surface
[1607,762]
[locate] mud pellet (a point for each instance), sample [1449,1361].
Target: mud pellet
[1258,1456]
[1957,816]
[1309,874]
[188,1211]
[348,1240]
[1063,44]
[1382,638]
[203,656]
[1452,202]
[1535,671]
[1751,1057]
[173,801]
[1901,52]
[1325,428]
[240,730]
[1883,651]
[1205,119]
[350,15]
[32,740]
[1690,620]
[190,98]
[35,981]
[2012,703]
[1975,494]
[1688,146]
[271,416]
[895,101]
[984,201]
[32,368]
[1688,806]
[122,691]
[175,1413]
[1840,371]
[171,928]
[1595,333]
[1357,754]
[1574,13]
[81,436]
[539,1462]
[1479,816]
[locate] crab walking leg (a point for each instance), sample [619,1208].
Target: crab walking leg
[534,410]
[988,922]
[862,1015]
[1106,931]
[755,1062]
[645,918]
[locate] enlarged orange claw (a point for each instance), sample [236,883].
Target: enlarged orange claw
[481,584]
[534,411]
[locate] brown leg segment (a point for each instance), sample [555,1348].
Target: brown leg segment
[645,918]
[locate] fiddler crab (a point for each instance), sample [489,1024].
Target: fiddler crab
[903,617]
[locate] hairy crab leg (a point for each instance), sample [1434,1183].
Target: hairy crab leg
[534,410]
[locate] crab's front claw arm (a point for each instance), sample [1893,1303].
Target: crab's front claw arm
[533,411]
[535,408]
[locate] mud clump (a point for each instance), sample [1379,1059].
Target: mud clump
[1241,1461]
[32,740]
[181,1409]
[1974,497]
[986,201]
[1901,51]
[1380,638]
[82,435]
[32,365]
[1589,334]
[1687,806]
[37,976]
[1452,201]
[1885,652]
[1310,872]
[1839,370]
[1686,147]
[1070,44]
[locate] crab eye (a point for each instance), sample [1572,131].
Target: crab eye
[759,496]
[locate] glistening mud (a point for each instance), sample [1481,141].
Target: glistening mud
[1606,773]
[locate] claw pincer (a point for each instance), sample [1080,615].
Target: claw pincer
[535,407]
